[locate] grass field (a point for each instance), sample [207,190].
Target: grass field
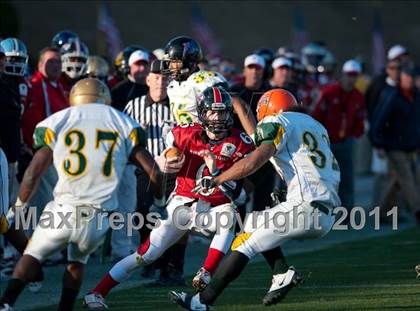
[374,274]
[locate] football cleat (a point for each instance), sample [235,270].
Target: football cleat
[417,268]
[35,287]
[94,301]
[5,307]
[281,285]
[201,279]
[188,301]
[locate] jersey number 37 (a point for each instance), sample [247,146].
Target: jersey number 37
[77,162]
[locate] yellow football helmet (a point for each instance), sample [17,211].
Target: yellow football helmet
[90,91]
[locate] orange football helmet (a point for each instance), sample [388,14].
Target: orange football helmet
[274,102]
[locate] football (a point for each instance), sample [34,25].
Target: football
[172,152]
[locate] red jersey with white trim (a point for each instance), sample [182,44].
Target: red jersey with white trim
[67,84]
[192,140]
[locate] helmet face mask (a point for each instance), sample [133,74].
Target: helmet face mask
[215,110]
[15,65]
[74,56]
[16,56]
[217,121]
[174,68]
[312,57]
[182,55]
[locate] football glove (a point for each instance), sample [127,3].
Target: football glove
[204,185]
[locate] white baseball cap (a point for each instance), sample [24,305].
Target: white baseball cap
[254,59]
[138,55]
[281,61]
[352,66]
[396,51]
[159,53]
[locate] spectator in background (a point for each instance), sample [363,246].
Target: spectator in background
[254,84]
[396,54]
[228,70]
[134,86]
[282,74]
[341,109]
[251,90]
[388,80]
[47,92]
[395,132]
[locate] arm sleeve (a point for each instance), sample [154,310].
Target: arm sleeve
[137,137]
[44,137]
[270,131]
[46,132]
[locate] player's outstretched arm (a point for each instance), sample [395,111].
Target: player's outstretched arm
[245,115]
[141,157]
[39,164]
[248,165]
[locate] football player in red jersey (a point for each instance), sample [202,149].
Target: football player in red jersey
[214,138]
[74,56]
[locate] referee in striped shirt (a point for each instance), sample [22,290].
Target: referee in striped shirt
[152,110]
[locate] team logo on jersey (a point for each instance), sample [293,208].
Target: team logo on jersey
[228,150]
[245,138]
[23,89]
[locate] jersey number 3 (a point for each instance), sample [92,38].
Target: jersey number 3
[75,141]
[318,158]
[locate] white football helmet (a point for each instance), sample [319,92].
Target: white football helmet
[16,60]
[313,55]
[74,56]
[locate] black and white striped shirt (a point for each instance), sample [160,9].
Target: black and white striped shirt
[151,116]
